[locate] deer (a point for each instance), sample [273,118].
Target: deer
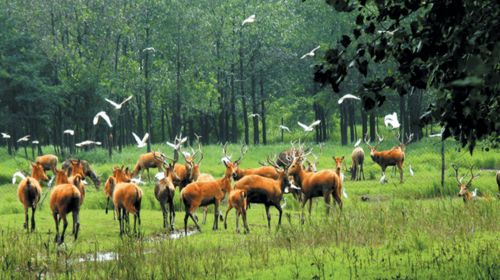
[266,191]
[87,171]
[393,157]
[29,192]
[358,157]
[324,183]
[146,161]
[264,171]
[188,172]
[464,188]
[498,181]
[165,189]
[49,162]
[120,175]
[238,200]
[127,198]
[66,198]
[198,194]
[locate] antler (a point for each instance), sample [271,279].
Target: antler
[243,150]
[199,149]
[472,176]
[367,140]
[456,174]
[272,162]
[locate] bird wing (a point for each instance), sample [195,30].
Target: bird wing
[105,117]
[357,142]
[126,100]
[17,174]
[183,140]
[137,139]
[315,49]
[145,138]
[96,118]
[305,55]
[172,145]
[116,105]
[315,123]
[305,127]
[348,96]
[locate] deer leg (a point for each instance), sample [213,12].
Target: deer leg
[65,225]
[149,177]
[164,213]
[107,204]
[304,201]
[245,223]
[362,172]
[205,212]
[237,221]
[172,213]
[310,207]
[118,212]
[33,209]
[227,212]
[268,217]
[278,206]
[327,202]
[216,216]
[26,218]
[56,220]
[76,222]
[195,222]
[338,199]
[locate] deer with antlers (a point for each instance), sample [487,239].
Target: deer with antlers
[190,171]
[393,157]
[165,189]
[464,188]
[324,183]
[146,161]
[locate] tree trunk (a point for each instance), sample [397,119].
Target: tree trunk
[147,94]
[352,121]
[364,122]
[373,125]
[263,109]
[242,92]
[234,125]
[253,90]
[404,128]
[343,124]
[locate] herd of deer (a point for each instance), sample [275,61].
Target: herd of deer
[266,185]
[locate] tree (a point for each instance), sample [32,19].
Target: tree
[448,48]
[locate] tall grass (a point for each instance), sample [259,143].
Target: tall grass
[414,230]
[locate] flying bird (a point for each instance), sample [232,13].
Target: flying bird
[411,171]
[348,96]
[23,139]
[16,175]
[249,19]
[392,121]
[310,127]
[436,135]
[118,106]
[104,116]
[149,49]
[69,131]
[87,142]
[282,127]
[35,142]
[178,144]
[5,136]
[254,115]
[357,143]
[390,33]
[311,53]
[141,142]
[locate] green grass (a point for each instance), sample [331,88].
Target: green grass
[414,230]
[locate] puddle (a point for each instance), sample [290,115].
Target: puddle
[100,257]
[176,234]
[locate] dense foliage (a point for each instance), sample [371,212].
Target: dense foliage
[448,48]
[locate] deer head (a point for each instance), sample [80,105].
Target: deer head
[373,149]
[464,188]
[38,172]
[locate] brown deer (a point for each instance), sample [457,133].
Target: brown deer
[127,198]
[498,181]
[264,171]
[265,191]
[146,161]
[165,190]
[29,192]
[358,158]
[198,194]
[49,162]
[238,200]
[120,175]
[66,198]
[464,188]
[87,171]
[393,157]
[324,183]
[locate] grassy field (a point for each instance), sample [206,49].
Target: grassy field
[414,230]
